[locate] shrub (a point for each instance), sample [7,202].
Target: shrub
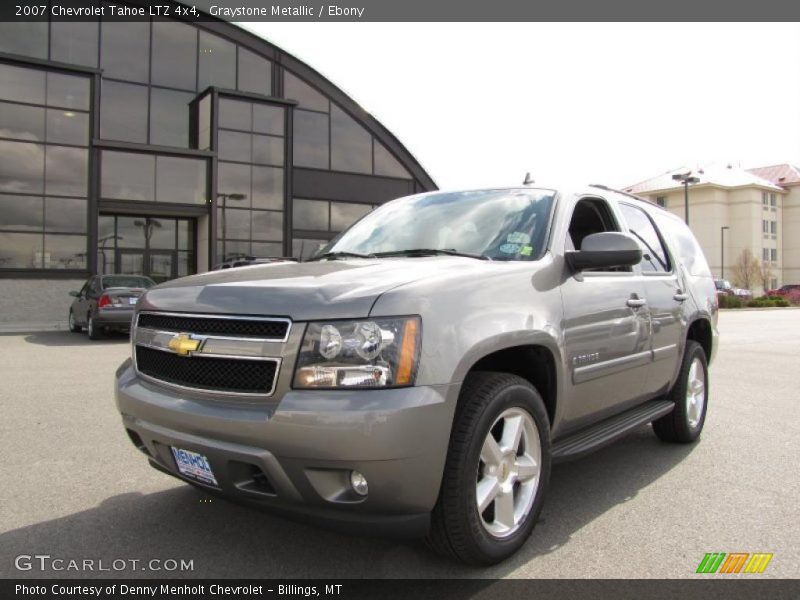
[768,302]
[730,301]
[793,296]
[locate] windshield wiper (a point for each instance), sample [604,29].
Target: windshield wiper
[431,252]
[342,254]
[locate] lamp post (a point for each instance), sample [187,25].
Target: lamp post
[686,179]
[103,240]
[225,197]
[722,251]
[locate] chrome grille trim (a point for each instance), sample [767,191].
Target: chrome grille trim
[285,338]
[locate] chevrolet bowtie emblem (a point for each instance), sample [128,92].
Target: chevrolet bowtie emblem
[183,344]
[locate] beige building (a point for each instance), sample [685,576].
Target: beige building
[759,207]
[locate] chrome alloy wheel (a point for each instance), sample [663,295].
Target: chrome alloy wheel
[508,472]
[695,393]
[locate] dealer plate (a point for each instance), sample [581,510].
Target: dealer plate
[132,300]
[194,465]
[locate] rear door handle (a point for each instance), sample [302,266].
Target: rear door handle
[680,296]
[636,302]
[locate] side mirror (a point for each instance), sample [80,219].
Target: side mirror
[605,250]
[75,294]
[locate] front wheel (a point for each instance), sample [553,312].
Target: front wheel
[690,394]
[496,473]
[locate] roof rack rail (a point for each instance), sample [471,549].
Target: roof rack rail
[624,193]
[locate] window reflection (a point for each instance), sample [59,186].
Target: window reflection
[310,139]
[21,213]
[310,214]
[21,167]
[65,215]
[267,187]
[125,51]
[67,127]
[74,42]
[126,175]
[26,38]
[123,112]
[174,55]
[181,180]
[22,122]
[68,91]
[308,97]
[22,85]
[66,171]
[21,250]
[267,225]
[387,164]
[217,62]
[351,144]
[64,252]
[169,117]
[255,73]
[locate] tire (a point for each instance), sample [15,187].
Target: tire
[93,331]
[690,394]
[458,529]
[73,326]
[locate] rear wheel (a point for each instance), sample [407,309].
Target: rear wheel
[73,326]
[496,472]
[93,331]
[690,394]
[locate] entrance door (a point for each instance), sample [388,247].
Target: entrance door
[158,265]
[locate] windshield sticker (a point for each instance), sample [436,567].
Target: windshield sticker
[518,237]
[526,250]
[509,248]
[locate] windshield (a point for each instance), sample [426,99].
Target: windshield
[498,224]
[127,281]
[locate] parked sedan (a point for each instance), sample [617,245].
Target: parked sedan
[106,302]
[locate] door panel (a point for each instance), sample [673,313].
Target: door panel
[666,314]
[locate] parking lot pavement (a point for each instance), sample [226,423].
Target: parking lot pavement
[75,488]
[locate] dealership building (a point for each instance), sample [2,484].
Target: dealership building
[166,147]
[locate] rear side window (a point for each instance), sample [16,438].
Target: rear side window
[655,258]
[685,246]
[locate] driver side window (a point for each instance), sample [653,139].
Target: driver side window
[591,215]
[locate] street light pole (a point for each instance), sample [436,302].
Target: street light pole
[686,179]
[722,251]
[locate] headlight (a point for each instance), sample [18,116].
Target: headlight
[367,353]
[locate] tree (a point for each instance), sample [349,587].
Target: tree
[765,274]
[746,270]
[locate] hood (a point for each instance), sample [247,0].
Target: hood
[302,291]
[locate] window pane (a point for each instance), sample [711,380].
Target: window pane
[267,250]
[204,124]
[67,127]
[267,188]
[125,50]
[21,250]
[185,234]
[64,252]
[234,223]
[181,180]
[234,179]
[162,233]
[235,114]
[123,112]
[255,73]
[127,175]
[217,62]
[22,85]
[169,117]
[268,150]
[185,264]
[232,249]
[268,118]
[308,97]
[22,167]
[351,144]
[304,248]
[65,215]
[74,42]
[21,122]
[131,232]
[310,139]
[28,38]
[105,231]
[387,164]
[23,213]
[66,171]
[654,257]
[68,91]
[234,146]
[310,214]
[267,225]
[344,214]
[174,55]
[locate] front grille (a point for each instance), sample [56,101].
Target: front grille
[239,327]
[207,373]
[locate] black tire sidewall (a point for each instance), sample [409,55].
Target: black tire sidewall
[693,351]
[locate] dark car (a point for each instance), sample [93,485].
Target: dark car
[106,302]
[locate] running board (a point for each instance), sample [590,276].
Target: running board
[587,440]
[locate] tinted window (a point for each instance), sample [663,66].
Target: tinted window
[21,85]
[265,249]
[22,122]
[308,97]
[217,62]
[126,281]
[123,112]
[66,215]
[267,225]
[387,164]
[351,144]
[654,255]
[26,38]
[66,171]
[74,42]
[127,176]
[268,150]
[267,187]
[21,167]
[21,213]
[235,114]
[174,55]
[204,123]
[67,127]
[64,251]
[268,119]
[181,180]
[21,250]
[235,223]
[255,73]
[68,91]
[344,214]
[162,233]
[684,244]
[125,50]
[310,214]
[169,117]
[305,248]
[310,139]
[233,145]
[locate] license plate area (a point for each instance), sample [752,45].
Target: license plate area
[194,465]
[132,300]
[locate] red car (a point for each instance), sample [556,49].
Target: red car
[791,289]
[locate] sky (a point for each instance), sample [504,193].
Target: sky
[481,104]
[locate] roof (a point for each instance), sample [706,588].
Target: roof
[723,176]
[784,174]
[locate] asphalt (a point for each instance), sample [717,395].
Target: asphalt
[74,488]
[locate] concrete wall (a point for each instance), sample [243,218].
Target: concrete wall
[35,304]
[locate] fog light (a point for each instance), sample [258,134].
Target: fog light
[359,483]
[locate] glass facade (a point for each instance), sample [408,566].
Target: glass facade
[124,143]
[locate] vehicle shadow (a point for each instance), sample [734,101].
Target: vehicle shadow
[67,338]
[229,540]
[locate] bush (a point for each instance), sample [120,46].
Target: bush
[793,297]
[730,301]
[768,302]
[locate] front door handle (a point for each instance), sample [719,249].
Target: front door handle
[636,302]
[680,296]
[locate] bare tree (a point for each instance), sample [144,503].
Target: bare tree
[746,270]
[765,274]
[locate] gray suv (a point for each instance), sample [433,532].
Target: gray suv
[423,371]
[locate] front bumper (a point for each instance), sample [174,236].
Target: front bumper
[294,454]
